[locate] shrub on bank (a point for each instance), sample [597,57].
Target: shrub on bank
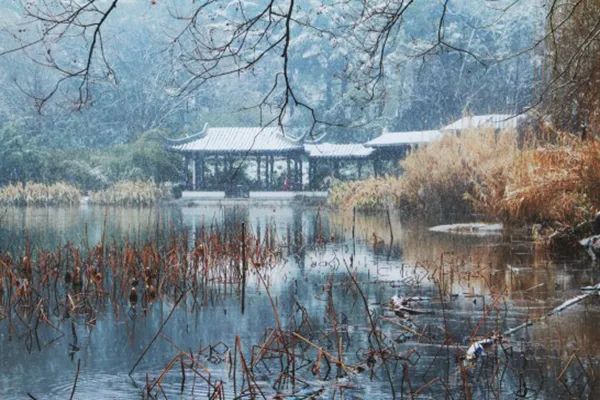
[39,194]
[130,193]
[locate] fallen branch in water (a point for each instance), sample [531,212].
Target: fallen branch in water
[591,291]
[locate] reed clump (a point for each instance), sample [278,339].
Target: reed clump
[130,193]
[437,178]
[555,183]
[440,177]
[370,194]
[74,280]
[39,194]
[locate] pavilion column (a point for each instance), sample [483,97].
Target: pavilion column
[266,174]
[200,167]
[311,173]
[203,172]
[300,173]
[336,169]
[258,171]
[359,166]
[194,172]
[295,173]
[187,171]
[271,168]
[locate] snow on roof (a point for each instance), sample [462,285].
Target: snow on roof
[388,139]
[238,140]
[331,150]
[494,121]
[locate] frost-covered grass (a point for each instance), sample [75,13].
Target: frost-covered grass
[39,194]
[436,177]
[555,182]
[370,194]
[130,193]
[440,177]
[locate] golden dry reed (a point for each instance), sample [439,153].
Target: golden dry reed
[130,193]
[553,181]
[39,194]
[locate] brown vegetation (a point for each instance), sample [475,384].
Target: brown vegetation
[437,177]
[130,193]
[79,280]
[39,194]
[374,193]
[555,182]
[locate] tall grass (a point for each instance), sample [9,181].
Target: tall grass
[370,194]
[554,181]
[39,194]
[130,193]
[438,177]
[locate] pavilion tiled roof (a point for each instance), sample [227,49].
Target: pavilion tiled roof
[334,150]
[390,139]
[238,140]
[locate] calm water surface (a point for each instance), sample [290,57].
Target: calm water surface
[474,285]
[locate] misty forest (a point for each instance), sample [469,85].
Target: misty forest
[299,199]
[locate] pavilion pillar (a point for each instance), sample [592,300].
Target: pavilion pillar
[258,171]
[271,168]
[300,173]
[194,172]
[187,171]
[309,183]
[296,182]
[203,172]
[200,167]
[266,172]
[359,166]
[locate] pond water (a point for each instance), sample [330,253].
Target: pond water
[469,287]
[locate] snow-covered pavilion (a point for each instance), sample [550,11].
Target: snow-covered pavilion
[272,161]
[394,146]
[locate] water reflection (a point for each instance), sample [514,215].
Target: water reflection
[476,285]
